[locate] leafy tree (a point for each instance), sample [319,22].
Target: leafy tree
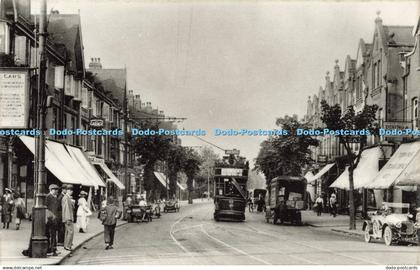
[151,149]
[175,158]
[334,119]
[208,158]
[191,169]
[285,154]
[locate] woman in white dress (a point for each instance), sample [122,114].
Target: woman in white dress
[83,212]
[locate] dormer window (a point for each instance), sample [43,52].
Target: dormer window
[4,38]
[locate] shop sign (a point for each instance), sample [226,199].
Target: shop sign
[399,125]
[97,123]
[14,98]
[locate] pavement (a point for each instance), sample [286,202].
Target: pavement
[14,241]
[338,224]
[192,237]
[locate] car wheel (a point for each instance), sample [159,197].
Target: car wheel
[388,236]
[367,236]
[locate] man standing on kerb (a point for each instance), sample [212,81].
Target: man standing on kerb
[68,213]
[53,204]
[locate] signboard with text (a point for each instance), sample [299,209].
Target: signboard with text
[232,152]
[14,99]
[231,172]
[97,123]
[397,125]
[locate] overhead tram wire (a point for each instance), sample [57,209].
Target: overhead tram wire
[212,144]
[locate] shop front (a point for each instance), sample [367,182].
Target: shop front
[364,173]
[399,179]
[65,165]
[114,186]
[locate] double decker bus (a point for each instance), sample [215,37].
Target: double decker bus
[230,182]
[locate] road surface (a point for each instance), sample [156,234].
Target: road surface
[193,237]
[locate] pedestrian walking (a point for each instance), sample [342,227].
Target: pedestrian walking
[319,204]
[109,215]
[67,205]
[333,205]
[7,206]
[127,205]
[52,202]
[20,210]
[83,212]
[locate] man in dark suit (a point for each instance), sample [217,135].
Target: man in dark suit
[60,225]
[109,221]
[52,203]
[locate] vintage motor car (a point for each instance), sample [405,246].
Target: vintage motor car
[392,223]
[171,205]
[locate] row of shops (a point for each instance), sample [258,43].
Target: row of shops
[65,164]
[385,173]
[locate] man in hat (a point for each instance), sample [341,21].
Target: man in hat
[67,215]
[52,202]
[60,225]
[7,205]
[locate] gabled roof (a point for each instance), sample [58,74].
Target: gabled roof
[112,80]
[65,29]
[349,65]
[363,52]
[399,35]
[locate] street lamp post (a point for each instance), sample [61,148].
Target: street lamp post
[208,183]
[39,239]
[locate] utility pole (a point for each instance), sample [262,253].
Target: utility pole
[208,183]
[39,239]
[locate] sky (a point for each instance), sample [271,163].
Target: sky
[235,64]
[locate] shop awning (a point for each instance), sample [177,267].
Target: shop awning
[396,165]
[411,175]
[59,162]
[322,172]
[110,176]
[364,173]
[86,166]
[180,186]
[162,179]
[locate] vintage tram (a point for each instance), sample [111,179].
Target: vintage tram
[230,182]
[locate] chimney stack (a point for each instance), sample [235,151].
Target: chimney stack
[95,63]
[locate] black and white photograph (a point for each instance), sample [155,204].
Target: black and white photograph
[179,133]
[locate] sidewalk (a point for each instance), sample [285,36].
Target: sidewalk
[13,242]
[339,224]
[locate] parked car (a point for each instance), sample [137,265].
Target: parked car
[392,223]
[138,214]
[171,205]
